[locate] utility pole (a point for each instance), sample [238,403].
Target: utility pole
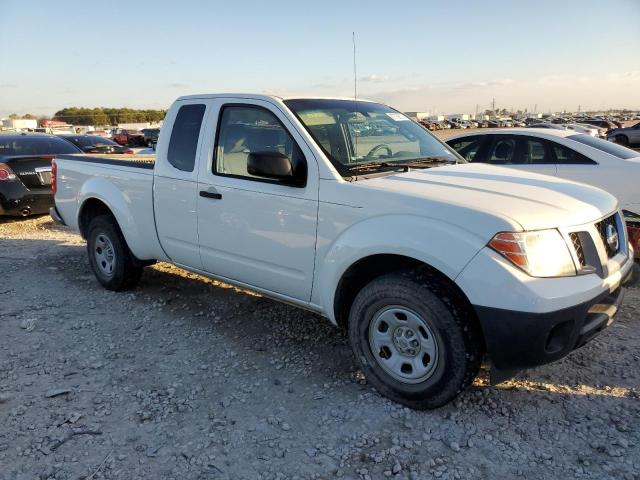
[535,108]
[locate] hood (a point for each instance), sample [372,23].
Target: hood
[531,200]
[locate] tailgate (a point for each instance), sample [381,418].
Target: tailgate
[33,171]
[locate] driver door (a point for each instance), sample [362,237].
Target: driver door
[257,231]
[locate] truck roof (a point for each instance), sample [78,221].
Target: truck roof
[258,96]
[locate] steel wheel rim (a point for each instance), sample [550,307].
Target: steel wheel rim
[403,344]
[104,254]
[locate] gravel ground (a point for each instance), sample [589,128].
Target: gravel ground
[187,378]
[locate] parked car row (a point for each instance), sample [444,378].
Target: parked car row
[464,124]
[576,127]
[603,126]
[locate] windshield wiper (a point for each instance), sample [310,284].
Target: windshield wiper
[426,161]
[376,165]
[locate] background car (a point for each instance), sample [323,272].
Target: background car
[125,137]
[150,136]
[599,122]
[565,154]
[100,133]
[585,128]
[25,171]
[629,136]
[96,144]
[553,126]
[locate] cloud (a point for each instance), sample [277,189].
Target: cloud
[624,76]
[373,78]
[501,82]
[178,85]
[8,85]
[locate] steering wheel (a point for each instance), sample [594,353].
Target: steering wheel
[380,146]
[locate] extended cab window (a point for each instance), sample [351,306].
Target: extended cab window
[244,130]
[184,137]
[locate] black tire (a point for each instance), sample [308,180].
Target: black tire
[456,334]
[127,269]
[622,140]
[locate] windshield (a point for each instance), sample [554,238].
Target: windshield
[606,146]
[353,134]
[91,140]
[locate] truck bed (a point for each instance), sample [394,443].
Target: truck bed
[124,183]
[126,160]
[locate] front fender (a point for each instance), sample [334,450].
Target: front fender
[442,245]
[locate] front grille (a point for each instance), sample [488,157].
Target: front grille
[577,245]
[603,227]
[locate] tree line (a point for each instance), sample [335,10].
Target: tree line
[107,116]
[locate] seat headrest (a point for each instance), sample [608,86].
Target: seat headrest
[503,150]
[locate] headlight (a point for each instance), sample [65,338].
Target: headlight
[542,253]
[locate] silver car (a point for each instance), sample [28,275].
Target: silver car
[629,136]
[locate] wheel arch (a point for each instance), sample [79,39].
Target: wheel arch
[371,267]
[91,208]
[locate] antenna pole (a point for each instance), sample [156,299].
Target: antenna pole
[355,93]
[355,77]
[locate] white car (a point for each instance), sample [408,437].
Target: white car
[564,154]
[428,261]
[585,128]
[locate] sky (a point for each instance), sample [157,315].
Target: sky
[437,56]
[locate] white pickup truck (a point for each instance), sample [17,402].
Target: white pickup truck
[351,210]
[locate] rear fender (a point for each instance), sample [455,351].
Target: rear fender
[101,189]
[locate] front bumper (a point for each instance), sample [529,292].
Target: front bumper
[518,340]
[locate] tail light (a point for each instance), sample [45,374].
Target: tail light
[6,173]
[54,176]
[130,152]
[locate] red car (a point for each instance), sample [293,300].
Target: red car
[128,137]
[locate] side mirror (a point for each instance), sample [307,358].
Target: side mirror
[273,165]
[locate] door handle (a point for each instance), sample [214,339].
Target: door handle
[214,195]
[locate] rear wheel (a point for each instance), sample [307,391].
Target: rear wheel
[414,340]
[113,264]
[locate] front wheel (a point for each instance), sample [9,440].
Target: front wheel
[113,264]
[414,340]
